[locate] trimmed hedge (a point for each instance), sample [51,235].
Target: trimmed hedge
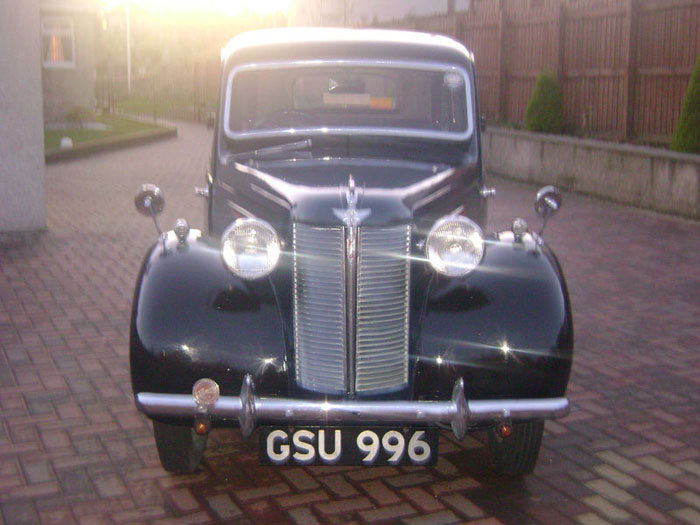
[686,136]
[544,111]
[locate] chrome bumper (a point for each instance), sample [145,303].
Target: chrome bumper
[458,412]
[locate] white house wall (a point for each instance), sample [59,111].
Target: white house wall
[22,197]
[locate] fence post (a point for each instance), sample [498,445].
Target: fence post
[632,14]
[559,43]
[502,70]
[153,87]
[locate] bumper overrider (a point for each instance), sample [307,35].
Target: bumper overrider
[249,409]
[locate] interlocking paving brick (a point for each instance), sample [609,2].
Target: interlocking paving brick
[184,500]
[141,514]
[408,480]
[463,506]
[614,475]
[650,477]
[338,485]
[37,472]
[62,516]
[344,506]
[424,501]
[687,515]
[691,466]
[437,518]
[74,449]
[189,519]
[303,516]
[393,513]
[372,473]
[610,511]
[463,483]
[610,491]
[661,467]
[109,486]
[445,467]
[223,506]
[380,493]
[55,439]
[298,478]
[304,498]
[146,492]
[691,498]
[38,490]
[648,513]
[591,519]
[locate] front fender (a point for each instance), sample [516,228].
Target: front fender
[506,328]
[192,318]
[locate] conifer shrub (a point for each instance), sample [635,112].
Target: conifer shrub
[686,136]
[80,115]
[544,111]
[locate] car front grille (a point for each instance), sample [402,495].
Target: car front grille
[351,318]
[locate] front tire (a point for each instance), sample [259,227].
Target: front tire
[517,454]
[180,449]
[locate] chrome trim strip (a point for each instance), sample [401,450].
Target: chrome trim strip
[430,198]
[457,211]
[394,132]
[457,412]
[270,196]
[351,249]
[226,186]
[487,192]
[239,209]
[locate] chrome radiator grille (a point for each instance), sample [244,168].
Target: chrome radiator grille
[319,309]
[381,340]
[351,339]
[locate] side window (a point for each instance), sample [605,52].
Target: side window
[57,42]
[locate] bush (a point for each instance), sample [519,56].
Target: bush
[544,109]
[686,136]
[80,115]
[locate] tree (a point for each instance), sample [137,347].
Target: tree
[686,136]
[544,109]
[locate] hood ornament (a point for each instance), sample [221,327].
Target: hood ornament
[351,216]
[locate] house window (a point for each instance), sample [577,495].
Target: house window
[58,42]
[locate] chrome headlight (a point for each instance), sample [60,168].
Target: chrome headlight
[250,248]
[454,246]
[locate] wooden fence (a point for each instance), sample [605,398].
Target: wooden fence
[623,65]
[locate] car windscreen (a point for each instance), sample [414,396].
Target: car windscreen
[395,99]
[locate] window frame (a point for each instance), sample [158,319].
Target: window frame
[58,22]
[398,132]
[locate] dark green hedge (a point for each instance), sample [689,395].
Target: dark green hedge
[686,136]
[544,111]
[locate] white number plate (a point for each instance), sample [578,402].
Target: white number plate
[348,446]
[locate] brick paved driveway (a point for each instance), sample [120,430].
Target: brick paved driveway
[74,449]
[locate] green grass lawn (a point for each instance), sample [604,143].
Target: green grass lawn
[166,105]
[118,126]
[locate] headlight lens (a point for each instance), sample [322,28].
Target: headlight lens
[455,246]
[250,248]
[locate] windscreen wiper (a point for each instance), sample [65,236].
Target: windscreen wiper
[272,150]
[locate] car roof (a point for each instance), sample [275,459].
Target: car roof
[343,41]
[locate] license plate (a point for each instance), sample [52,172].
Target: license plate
[348,446]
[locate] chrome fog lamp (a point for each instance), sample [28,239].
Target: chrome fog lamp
[250,248]
[205,391]
[455,246]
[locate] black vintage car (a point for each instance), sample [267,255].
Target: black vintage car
[343,297]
